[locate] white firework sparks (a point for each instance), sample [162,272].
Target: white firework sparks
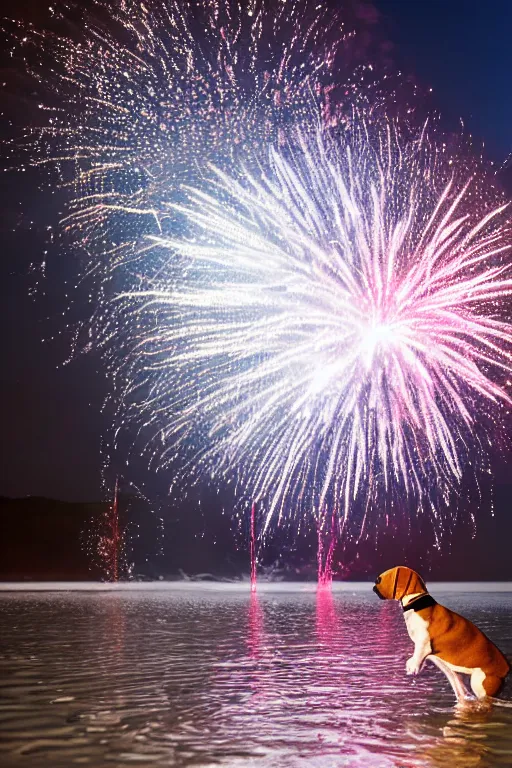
[330,324]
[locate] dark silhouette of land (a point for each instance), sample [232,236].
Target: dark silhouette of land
[41,539]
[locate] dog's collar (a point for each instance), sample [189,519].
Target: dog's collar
[423,601]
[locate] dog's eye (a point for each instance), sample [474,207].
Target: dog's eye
[378,580]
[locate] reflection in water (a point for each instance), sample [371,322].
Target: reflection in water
[326,629]
[256,650]
[229,678]
[255,627]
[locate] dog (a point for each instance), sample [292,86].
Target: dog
[455,645]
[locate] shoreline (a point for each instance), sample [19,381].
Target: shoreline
[241,587]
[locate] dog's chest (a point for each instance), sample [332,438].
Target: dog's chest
[417,627]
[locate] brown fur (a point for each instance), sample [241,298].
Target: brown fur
[452,637]
[457,640]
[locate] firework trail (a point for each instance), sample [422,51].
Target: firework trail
[329,326]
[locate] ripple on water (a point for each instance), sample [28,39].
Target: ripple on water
[225,678]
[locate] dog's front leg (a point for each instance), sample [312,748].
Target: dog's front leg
[415,663]
[418,633]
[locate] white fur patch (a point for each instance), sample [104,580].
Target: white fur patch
[417,628]
[477,678]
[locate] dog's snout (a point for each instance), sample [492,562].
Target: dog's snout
[376,589]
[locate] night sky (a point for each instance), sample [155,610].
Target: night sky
[51,414]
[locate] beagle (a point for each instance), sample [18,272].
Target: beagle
[450,641]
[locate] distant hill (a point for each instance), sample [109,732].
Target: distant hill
[41,539]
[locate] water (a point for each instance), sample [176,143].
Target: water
[216,676]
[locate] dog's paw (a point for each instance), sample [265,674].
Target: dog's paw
[412,667]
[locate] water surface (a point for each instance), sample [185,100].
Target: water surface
[218,677]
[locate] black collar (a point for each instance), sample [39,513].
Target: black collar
[423,601]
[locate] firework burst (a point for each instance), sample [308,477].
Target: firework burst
[329,326]
[322,320]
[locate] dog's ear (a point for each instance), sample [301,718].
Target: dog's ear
[408,582]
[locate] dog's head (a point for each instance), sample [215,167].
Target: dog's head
[397,583]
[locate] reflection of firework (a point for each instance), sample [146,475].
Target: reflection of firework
[328,326]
